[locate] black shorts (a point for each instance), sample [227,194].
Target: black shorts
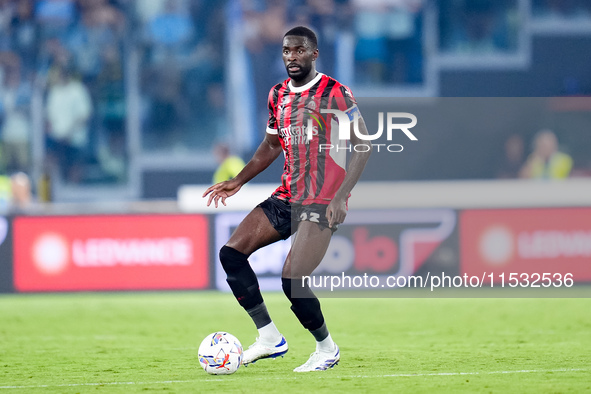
[285,217]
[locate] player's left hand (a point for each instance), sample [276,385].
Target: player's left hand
[336,212]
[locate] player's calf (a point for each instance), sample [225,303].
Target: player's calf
[304,305]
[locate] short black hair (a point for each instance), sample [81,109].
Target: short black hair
[303,31]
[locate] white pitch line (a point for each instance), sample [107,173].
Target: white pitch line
[101,384]
[400,375]
[404,375]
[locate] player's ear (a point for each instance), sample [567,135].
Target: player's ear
[315,54]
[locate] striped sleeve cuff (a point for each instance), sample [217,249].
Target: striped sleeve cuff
[272,131]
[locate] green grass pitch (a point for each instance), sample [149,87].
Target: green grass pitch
[137,342]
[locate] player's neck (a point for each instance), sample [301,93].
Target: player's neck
[304,81]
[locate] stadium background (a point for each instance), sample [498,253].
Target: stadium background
[151,88]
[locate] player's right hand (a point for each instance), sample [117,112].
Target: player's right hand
[222,191]
[336,212]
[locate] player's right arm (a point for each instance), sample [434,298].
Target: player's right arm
[266,153]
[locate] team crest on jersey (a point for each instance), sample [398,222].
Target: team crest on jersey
[284,103]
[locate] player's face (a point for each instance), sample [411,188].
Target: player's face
[298,57]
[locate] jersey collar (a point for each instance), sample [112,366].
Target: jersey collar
[300,89]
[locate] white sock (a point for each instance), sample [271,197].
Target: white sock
[270,333]
[327,345]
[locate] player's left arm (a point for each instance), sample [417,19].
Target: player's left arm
[337,209]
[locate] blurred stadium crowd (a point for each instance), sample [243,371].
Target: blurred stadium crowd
[87,86]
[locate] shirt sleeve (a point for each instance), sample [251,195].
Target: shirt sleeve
[345,101]
[272,104]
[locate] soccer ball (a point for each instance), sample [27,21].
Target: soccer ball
[220,353]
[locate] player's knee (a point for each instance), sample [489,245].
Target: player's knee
[232,260]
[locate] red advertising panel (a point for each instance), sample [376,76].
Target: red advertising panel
[111,253]
[526,241]
[5,255]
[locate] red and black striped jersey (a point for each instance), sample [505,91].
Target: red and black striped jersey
[310,174]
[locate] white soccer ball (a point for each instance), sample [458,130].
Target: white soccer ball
[220,353]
